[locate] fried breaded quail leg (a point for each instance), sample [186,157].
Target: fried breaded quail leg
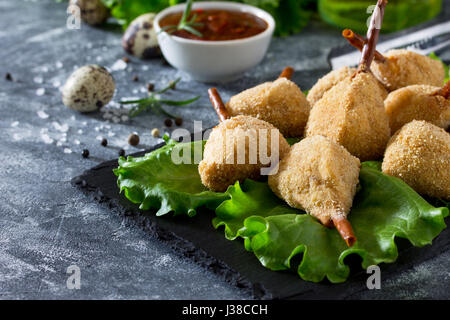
[334,77]
[280,103]
[417,102]
[352,112]
[400,68]
[319,176]
[221,165]
[327,82]
[419,154]
[404,68]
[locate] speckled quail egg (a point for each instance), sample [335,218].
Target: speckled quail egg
[140,38]
[93,12]
[88,88]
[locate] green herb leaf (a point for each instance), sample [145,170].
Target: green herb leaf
[155,181]
[154,102]
[184,23]
[191,30]
[179,103]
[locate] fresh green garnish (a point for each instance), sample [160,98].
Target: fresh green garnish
[446,68]
[384,208]
[185,24]
[154,102]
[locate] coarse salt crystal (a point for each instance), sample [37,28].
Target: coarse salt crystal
[42,114]
[45,137]
[40,91]
[61,128]
[15,124]
[38,79]
[119,65]
[67,150]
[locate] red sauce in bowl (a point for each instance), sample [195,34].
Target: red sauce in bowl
[218,25]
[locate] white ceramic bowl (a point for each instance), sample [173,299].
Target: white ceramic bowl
[215,61]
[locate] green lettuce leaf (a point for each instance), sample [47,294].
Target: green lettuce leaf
[155,181]
[446,68]
[384,208]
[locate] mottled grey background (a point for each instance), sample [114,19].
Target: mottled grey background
[47,225]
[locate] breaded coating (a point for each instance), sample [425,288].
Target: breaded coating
[318,176]
[221,166]
[327,82]
[330,80]
[419,154]
[352,114]
[417,102]
[404,68]
[280,103]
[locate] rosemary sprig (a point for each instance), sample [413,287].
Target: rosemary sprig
[184,23]
[154,102]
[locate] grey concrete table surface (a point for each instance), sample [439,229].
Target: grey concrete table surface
[46,225]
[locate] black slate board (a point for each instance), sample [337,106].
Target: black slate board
[196,239]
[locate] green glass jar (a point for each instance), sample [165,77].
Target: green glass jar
[399,14]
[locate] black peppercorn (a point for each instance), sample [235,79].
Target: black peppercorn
[85,153]
[168,122]
[8,76]
[135,78]
[150,87]
[133,139]
[178,121]
[121,152]
[104,142]
[126,59]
